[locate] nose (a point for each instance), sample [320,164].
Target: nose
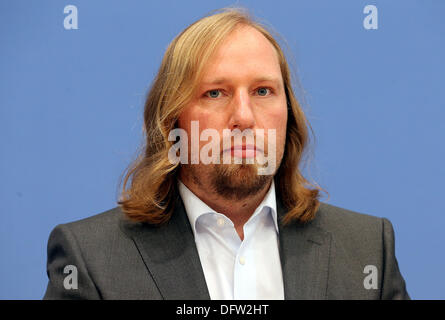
[242,115]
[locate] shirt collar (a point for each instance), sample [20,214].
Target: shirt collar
[195,207]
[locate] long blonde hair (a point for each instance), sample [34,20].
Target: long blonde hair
[152,193]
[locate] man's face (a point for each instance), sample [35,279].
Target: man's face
[241,88]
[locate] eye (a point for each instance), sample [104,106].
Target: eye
[213,93]
[263,91]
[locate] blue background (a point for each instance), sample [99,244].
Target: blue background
[72,101]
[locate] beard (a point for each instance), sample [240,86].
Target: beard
[231,181]
[237,181]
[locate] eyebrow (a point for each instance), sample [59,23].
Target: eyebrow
[258,79]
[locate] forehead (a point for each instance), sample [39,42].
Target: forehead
[245,52]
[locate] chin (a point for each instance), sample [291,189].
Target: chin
[238,180]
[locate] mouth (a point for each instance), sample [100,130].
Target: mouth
[244,151]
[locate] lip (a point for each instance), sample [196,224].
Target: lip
[244,151]
[244,147]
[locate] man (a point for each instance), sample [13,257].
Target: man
[251,227]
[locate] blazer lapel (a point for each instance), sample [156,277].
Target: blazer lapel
[305,254]
[170,255]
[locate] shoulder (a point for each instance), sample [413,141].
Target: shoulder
[333,218]
[103,219]
[351,228]
[96,230]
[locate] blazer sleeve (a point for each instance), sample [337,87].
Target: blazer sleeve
[68,276]
[393,284]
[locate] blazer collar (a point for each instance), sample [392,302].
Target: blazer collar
[171,257]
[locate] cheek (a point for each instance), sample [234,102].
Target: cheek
[206,120]
[193,113]
[277,119]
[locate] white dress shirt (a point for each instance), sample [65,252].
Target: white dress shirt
[235,269]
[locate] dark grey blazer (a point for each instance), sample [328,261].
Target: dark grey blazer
[119,259]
